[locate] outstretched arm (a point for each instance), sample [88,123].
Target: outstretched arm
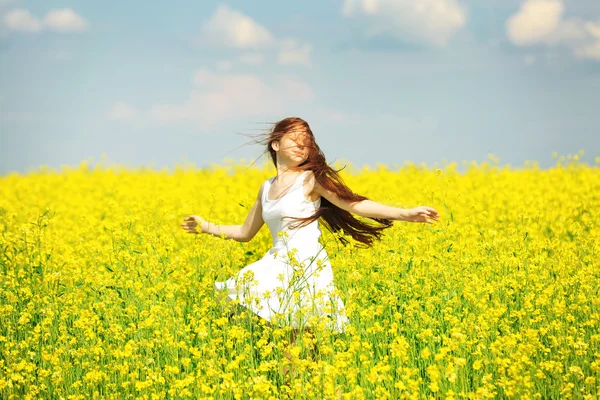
[372,209]
[254,220]
[240,233]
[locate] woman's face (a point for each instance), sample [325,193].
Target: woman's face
[294,147]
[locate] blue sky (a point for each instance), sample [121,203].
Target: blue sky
[379,81]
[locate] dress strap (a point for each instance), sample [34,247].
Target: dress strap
[300,176]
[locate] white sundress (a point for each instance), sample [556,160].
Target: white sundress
[293,281]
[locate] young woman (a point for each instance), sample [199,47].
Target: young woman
[294,280]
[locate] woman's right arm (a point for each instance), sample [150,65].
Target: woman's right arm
[230,231]
[240,233]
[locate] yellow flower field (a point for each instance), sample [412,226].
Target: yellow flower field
[102,295]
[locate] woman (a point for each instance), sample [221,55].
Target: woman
[293,281]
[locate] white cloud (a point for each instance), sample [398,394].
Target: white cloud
[430,21]
[592,48]
[292,52]
[541,22]
[535,21]
[123,112]
[567,31]
[220,96]
[65,20]
[231,28]
[22,20]
[252,58]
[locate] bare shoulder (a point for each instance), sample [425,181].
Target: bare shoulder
[260,190]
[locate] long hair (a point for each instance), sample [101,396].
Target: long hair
[334,218]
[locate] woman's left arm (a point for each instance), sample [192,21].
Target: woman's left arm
[372,209]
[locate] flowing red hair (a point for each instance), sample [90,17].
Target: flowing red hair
[334,218]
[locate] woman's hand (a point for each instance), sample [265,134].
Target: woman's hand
[190,223]
[422,214]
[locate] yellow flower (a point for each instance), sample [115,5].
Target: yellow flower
[425,353]
[495,296]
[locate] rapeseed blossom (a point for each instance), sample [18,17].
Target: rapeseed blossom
[102,296]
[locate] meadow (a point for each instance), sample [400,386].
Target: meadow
[102,295]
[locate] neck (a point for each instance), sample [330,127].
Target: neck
[283,169]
